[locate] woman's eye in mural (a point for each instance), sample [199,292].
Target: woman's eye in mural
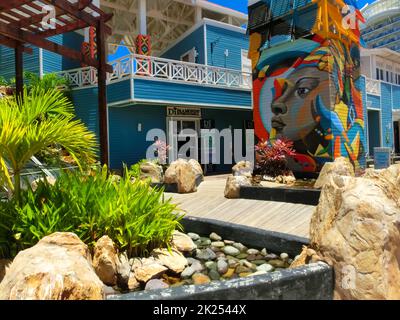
[305,86]
[302,92]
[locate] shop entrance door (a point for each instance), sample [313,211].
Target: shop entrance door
[176,127]
[396,128]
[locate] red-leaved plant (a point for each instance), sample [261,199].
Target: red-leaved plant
[272,157]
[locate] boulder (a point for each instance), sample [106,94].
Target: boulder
[182,242]
[123,270]
[233,185]
[152,171]
[341,166]
[58,267]
[173,259]
[356,229]
[147,269]
[181,173]
[243,168]
[198,170]
[105,261]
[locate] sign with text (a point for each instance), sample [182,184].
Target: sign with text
[184,112]
[382,158]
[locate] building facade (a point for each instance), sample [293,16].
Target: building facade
[382,26]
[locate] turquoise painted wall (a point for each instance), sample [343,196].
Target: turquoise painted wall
[224,39]
[178,92]
[7,62]
[193,40]
[387,116]
[374,100]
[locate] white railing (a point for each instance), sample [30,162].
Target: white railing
[373,87]
[137,66]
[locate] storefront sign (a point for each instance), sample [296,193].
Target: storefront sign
[382,158]
[184,112]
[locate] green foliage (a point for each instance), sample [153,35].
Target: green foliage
[46,83]
[132,214]
[42,120]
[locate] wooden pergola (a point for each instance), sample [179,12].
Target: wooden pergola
[24,22]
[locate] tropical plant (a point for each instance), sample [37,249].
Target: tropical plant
[43,119]
[46,82]
[132,214]
[272,157]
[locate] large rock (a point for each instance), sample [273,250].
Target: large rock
[198,170]
[59,267]
[182,242]
[356,228]
[172,259]
[243,168]
[181,173]
[105,261]
[147,269]
[341,166]
[233,185]
[152,171]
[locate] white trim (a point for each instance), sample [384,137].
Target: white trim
[220,9]
[205,44]
[132,87]
[127,102]
[41,70]
[190,83]
[224,25]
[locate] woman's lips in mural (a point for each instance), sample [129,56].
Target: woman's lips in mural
[277,123]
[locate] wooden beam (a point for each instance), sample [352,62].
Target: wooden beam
[13,44]
[77,25]
[78,14]
[27,37]
[19,71]
[102,92]
[10,4]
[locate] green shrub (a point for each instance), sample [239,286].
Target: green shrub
[132,214]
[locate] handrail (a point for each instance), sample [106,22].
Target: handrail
[147,67]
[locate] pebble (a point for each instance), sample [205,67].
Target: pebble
[244,274]
[253,252]
[271,256]
[220,255]
[242,256]
[264,252]
[247,264]
[258,262]
[214,275]
[232,251]
[218,244]
[233,263]
[205,254]
[265,267]
[205,241]
[199,278]
[215,237]
[240,246]
[188,272]
[242,269]
[229,273]
[222,266]
[211,265]
[284,256]
[155,284]
[193,236]
[229,242]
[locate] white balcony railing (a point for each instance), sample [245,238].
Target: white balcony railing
[136,66]
[373,87]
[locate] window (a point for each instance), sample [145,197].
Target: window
[189,56]
[387,76]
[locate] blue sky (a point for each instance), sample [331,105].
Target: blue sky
[241,5]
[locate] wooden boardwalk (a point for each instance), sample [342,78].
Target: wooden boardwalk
[209,202]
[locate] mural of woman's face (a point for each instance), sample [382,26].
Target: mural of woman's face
[293,111]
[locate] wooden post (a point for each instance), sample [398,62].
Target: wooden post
[19,71]
[102,92]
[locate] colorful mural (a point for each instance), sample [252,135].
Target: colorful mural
[306,84]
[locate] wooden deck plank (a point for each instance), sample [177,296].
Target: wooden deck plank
[209,202]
